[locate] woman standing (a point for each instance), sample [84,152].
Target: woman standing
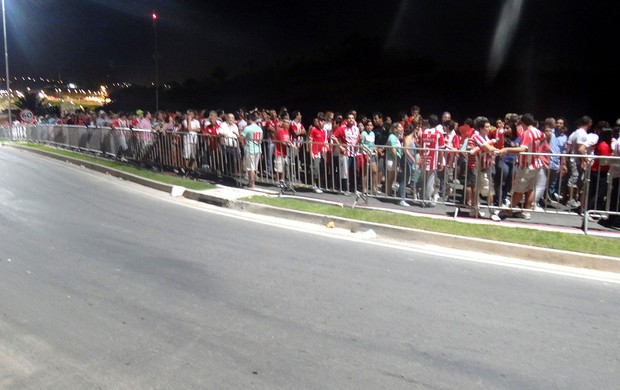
[368,159]
[393,156]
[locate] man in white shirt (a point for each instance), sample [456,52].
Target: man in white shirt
[191,126]
[229,134]
[576,144]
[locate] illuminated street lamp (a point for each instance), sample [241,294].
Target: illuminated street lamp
[6,60]
[154,16]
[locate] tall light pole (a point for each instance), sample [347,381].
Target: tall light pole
[6,60]
[154,16]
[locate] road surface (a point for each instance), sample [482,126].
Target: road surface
[108,285]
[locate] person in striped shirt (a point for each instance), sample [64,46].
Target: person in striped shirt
[479,163]
[432,143]
[528,166]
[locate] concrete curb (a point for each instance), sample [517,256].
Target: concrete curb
[552,256]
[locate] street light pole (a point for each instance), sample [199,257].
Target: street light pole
[154,15]
[6,60]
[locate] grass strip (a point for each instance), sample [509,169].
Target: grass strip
[147,174]
[531,237]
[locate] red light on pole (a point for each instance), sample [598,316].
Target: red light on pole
[154,15]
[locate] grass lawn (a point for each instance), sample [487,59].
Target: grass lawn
[531,237]
[159,177]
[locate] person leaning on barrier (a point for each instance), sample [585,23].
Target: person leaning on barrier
[480,160]
[527,168]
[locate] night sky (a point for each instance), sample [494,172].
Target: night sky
[96,41]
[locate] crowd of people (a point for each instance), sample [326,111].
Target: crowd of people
[514,161]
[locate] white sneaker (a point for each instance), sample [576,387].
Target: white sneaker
[403,203]
[317,190]
[537,208]
[573,204]
[472,213]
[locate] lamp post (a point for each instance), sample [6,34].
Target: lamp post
[6,60]
[154,16]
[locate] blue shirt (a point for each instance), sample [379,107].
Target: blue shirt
[554,161]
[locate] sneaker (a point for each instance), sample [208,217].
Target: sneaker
[317,190]
[495,217]
[472,213]
[537,208]
[346,193]
[573,204]
[403,203]
[522,215]
[557,197]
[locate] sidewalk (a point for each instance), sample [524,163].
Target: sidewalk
[232,197]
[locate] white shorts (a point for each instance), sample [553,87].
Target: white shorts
[251,161]
[189,145]
[485,184]
[391,165]
[280,163]
[525,180]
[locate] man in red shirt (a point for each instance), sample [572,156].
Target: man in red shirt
[282,141]
[318,150]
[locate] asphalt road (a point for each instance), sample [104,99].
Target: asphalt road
[108,285]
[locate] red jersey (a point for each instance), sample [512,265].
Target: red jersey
[212,130]
[498,134]
[282,138]
[319,138]
[431,139]
[477,141]
[296,133]
[531,140]
[349,137]
[270,128]
[603,149]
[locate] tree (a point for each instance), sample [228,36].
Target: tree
[32,102]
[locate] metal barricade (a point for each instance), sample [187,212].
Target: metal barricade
[461,179]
